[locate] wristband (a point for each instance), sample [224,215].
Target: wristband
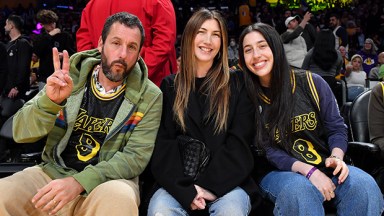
[309,174]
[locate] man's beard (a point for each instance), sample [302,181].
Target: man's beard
[111,75]
[7,32]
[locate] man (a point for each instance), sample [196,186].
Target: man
[19,52]
[375,73]
[50,37]
[100,114]
[341,35]
[295,45]
[159,21]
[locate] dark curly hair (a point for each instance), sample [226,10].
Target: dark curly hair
[46,17]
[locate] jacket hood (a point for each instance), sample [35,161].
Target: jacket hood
[82,63]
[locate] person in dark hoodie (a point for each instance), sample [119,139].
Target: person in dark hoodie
[50,37]
[18,58]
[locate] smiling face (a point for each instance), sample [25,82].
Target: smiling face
[120,51]
[258,57]
[207,42]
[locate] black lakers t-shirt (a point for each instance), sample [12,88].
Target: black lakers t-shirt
[94,120]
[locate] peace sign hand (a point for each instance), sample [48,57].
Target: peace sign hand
[59,84]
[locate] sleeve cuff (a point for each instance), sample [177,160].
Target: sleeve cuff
[49,106]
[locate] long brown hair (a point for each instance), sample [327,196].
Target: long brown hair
[217,78]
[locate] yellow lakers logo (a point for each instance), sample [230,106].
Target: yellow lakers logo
[87,148]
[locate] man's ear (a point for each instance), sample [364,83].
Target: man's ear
[100,44]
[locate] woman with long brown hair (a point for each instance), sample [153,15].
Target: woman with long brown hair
[205,102]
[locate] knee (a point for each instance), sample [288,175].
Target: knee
[8,188]
[157,207]
[117,191]
[163,204]
[231,208]
[361,184]
[161,208]
[236,202]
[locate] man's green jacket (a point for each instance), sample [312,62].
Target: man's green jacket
[129,143]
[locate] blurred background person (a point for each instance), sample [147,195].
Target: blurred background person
[341,35]
[376,73]
[369,55]
[324,60]
[35,64]
[295,46]
[345,60]
[245,14]
[50,37]
[19,52]
[355,77]
[233,52]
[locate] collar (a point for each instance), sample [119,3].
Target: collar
[99,87]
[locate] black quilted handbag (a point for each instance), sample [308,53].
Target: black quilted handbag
[194,154]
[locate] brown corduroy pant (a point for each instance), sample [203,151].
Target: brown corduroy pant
[115,197]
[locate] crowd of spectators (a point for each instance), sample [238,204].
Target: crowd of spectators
[361,19]
[69,20]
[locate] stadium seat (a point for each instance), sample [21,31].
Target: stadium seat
[363,153]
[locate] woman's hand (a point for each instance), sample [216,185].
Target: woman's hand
[339,166]
[198,202]
[202,195]
[324,184]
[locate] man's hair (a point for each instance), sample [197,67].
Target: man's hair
[17,21]
[334,15]
[46,17]
[126,19]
